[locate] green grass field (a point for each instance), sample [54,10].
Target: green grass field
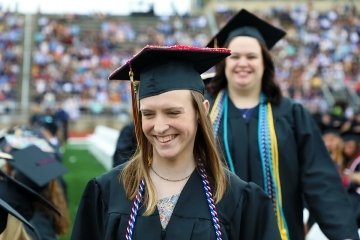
[82,167]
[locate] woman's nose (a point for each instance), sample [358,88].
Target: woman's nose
[241,61]
[160,126]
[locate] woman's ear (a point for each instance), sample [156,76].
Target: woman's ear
[206,104]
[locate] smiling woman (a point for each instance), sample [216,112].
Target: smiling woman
[272,144]
[175,186]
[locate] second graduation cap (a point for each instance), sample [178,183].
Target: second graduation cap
[17,199]
[160,68]
[245,23]
[35,166]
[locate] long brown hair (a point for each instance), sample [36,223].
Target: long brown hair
[205,149]
[268,85]
[55,194]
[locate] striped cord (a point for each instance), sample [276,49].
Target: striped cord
[135,210]
[217,111]
[210,200]
[270,163]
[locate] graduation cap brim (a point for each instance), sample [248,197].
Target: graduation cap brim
[36,165]
[24,190]
[202,59]
[5,207]
[270,34]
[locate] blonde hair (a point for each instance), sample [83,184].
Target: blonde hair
[14,230]
[205,150]
[335,146]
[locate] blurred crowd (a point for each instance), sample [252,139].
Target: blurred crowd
[11,40]
[69,63]
[72,55]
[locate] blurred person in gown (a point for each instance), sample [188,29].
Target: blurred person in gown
[271,140]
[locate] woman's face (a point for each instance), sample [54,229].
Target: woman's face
[169,122]
[244,68]
[331,141]
[350,148]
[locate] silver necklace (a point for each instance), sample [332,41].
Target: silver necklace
[170,180]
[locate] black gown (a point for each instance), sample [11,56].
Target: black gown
[245,212]
[306,169]
[126,145]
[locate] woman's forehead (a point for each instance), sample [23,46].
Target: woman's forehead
[169,99]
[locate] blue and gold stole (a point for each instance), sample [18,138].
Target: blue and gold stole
[267,146]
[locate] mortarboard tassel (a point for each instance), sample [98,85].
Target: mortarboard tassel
[134,107]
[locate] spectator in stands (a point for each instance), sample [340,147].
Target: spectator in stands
[176,173]
[62,118]
[11,41]
[269,139]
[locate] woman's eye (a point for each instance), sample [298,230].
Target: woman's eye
[147,114]
[173,113]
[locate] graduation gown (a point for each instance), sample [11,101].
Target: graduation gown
[126,145]
[306,169]
[44,226]
[245,212]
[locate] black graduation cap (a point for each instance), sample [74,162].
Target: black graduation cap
[351,136]
[17,199]
[245,23]
[163,68]
[20,196]
[36,168]
[333,131]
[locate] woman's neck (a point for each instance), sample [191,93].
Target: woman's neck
[169,177]
[173,168]
[244,99]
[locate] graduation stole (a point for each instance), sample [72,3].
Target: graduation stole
[209,199]
[268,151]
